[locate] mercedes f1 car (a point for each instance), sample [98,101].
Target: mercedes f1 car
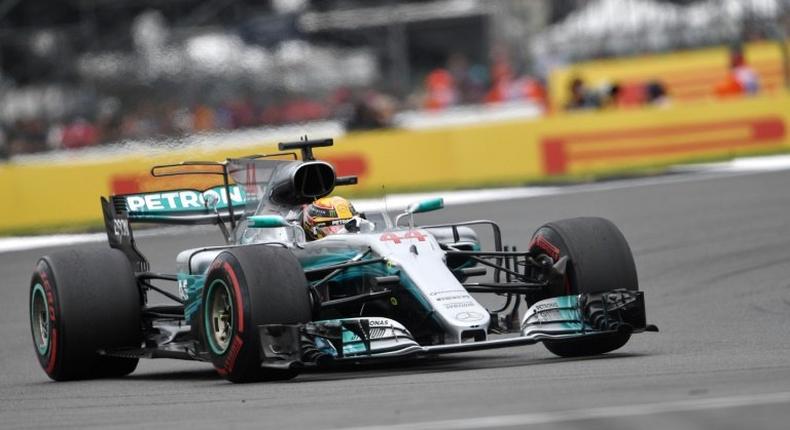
[270,303]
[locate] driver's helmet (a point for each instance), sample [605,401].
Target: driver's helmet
[326,216]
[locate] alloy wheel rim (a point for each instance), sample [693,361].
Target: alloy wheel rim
[39,319]
[219,316]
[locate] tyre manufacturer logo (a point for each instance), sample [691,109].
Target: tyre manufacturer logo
[468,316]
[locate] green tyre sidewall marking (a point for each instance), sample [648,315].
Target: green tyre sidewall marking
[39,290]
[207,317]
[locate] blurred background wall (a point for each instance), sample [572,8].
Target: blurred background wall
[78,73]
[561,87]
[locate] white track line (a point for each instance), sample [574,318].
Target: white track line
[21,243]
[748,164]
[398,202]
[521,420]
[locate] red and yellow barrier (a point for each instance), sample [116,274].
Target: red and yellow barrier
[46,195]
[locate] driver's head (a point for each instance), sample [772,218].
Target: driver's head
[326,216]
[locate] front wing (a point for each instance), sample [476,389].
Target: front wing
[361,339]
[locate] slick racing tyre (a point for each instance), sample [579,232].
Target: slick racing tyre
[599,260]
[83,301]
[246,287]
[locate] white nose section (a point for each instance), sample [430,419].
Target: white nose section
[422,261]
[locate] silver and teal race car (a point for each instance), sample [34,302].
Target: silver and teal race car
[270,303]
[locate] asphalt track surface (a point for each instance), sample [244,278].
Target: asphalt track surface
[713,255]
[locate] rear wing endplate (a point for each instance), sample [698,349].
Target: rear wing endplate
[184,207]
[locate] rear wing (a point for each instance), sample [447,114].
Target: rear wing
[183,206]
[216,205]
[243,183]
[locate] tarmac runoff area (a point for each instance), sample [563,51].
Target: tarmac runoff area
[712,248]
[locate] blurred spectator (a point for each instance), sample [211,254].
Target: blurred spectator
[656,93]
[27,136]
[507,85]
[633,94]
[242,113]
[441,89]
[581,97]
[183,121]
[3,145]
[203,118]
[372,110]
[741,79]
[744,74]
[341,104]
[612,96]
[535,90]
[459,84]
[470,81]
[502,76]
[79,133]
[303,109]
[508,88]
[223,118]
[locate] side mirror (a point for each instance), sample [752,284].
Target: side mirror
[426,206]
[267,221]
[420,207]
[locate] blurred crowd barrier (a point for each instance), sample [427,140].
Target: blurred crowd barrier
[41,194]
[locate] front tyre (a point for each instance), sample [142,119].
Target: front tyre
[83,301]
[599,260]
[247,287]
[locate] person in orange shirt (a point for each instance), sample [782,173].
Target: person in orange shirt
[441,89]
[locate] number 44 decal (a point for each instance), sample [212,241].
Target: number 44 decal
[411,234]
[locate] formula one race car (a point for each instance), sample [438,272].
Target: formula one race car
[270,303]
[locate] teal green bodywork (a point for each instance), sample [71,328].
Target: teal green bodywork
[352,344]
[427,206]
[568,311]
[266,221]
[193,286]
[351,274]
[356,272]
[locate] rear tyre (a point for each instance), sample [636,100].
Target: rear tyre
[83,301]
[599,260]
[247,287]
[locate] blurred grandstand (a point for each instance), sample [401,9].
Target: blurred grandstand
[79,73]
